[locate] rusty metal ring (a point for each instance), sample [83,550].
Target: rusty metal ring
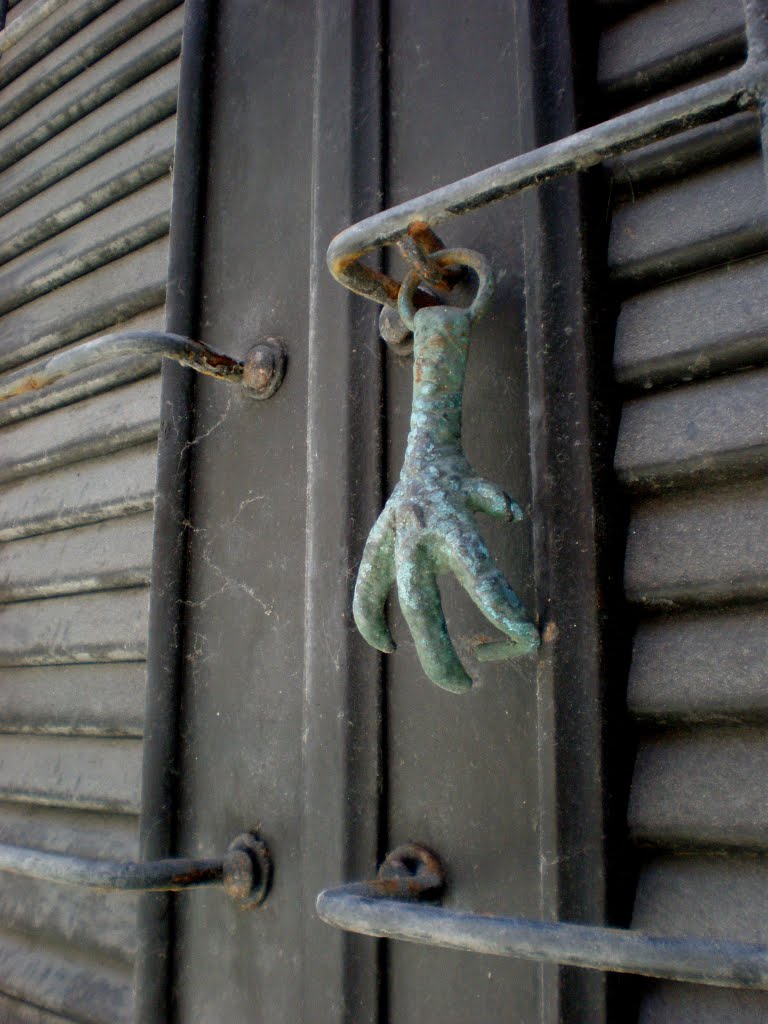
[450,258]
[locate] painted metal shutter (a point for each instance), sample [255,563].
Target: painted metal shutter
[87,129]
[687,260]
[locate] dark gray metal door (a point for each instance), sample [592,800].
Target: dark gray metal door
[315,117]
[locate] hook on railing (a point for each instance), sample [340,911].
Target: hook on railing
[260,373]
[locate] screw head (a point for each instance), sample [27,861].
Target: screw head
[248,870]
[394,332]
[264,368]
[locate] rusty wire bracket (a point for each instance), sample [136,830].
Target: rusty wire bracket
[245,871]
[394,907]
[260,373]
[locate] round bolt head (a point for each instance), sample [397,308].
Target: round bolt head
[264,368]
[394,332]
[248,870]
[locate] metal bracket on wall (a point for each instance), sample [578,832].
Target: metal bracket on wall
[245,871]
[393,907]
[409,226]
[260,373]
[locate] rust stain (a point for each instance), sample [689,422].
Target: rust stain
[392,287]
[550,632]
[258,378]
[25,386]
[403,887]
[214,359]
[429,243]
[389,886]
[424,237]
[340,264]
[195,877]
[344,267]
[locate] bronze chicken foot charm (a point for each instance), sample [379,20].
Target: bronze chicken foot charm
[428,526]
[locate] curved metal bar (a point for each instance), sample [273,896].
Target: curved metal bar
[390,910]
[174,874]
[703,961]
[190,353]
[244,871]
[737,90]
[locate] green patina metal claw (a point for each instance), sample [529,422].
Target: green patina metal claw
[428,527]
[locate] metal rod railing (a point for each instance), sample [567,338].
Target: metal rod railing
[244,871]
[388,908]
[260,373]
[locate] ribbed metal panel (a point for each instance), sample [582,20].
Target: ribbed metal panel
[134,61]
[715,430]
[97,489]
[74,700]
[136,283]
[58,976]
[706,787]
[106,423]
[699,548]
[87,131]
[91,920]
[78,629]
[691,223]
[137,220]
[104,556]
[689,229]
[705,324]
[69,830]
[38,37]
[82,773]
[117,174]
[36,68]
[665,44]
[704,666]
[16,1012]
[142,105]
[16,8]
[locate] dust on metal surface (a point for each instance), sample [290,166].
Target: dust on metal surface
[428,527]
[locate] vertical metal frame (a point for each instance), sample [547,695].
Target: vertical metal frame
[341,753]
[565,492]
[154,964]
